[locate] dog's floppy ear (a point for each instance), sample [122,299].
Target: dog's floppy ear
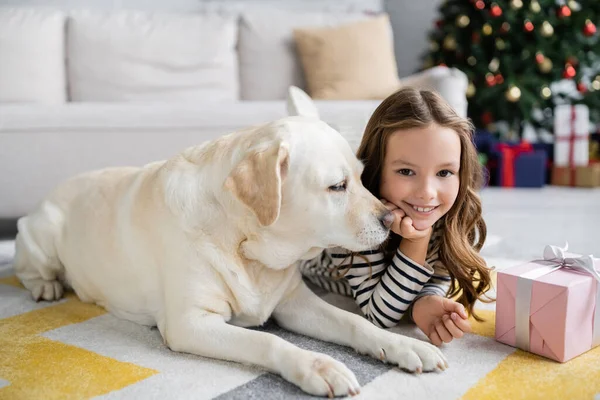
[300,103]
[256,181]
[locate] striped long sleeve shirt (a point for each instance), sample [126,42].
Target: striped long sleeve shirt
[384,292]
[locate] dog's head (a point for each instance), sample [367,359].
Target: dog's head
[303,187]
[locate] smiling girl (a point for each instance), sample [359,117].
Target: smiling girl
[420,160]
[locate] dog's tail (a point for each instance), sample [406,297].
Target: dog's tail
[299,103]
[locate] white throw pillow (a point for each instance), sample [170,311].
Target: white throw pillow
[144,56]
[32,56]
[269,64]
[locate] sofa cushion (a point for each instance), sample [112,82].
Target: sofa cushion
[144,56]
[32,56]
[349,62]
[269,64]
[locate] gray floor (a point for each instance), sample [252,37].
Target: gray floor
[522,221]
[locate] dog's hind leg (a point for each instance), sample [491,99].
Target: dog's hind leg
[36,260]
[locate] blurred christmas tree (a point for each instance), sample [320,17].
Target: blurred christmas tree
[515,51]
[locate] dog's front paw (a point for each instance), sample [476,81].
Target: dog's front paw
[44,290]
[411,354]
[321,375]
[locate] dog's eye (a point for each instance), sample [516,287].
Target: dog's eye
[339,187]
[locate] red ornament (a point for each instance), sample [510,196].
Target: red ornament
[490,80]
[499,79]
[487,118]
[589,28]
[581,87]
[442,64]
[479,4]
[564,11]
[495,11]
[505,27]
[569,72]
[539,58]
[475,37]
[528,26]
[439,23]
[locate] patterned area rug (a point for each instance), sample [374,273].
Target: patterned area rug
[72,350]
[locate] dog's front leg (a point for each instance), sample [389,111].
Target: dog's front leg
[304,312]
[208,334]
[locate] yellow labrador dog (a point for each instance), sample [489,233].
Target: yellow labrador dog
[203,245]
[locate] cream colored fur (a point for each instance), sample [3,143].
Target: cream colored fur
[203,245]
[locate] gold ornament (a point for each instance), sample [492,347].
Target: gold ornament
[596,83]
[471,90]
[573,5]
[516,4]
[546,92]
[494,64]
[513,94]
[462,21]
[471,61]
[449,43]
[434,46]
[546,65]
[547,29]
[487,29]
[535,6]
[500,45]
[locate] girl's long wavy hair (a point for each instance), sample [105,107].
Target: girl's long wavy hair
[463,227]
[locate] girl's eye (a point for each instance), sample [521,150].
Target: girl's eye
[445,173]
[405,172]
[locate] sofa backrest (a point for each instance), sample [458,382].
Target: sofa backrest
[140,56]
[110,55]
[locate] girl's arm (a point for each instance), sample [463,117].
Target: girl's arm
[385,295]
[383,291]
[438,285]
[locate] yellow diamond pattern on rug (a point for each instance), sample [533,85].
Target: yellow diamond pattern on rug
[39,368]
[55,352]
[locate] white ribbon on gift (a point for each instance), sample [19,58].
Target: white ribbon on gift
[556,258]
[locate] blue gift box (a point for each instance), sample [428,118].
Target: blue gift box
[530,168]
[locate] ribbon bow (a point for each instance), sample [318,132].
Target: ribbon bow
[581,263]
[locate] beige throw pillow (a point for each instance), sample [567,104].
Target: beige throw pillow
[352,61]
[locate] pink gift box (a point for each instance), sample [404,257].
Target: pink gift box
[561,310]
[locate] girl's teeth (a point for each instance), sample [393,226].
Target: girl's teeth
[423,209]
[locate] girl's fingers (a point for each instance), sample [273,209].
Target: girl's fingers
[442,331]
[451,327]
[388,205]
[398,213]
[435,338]
[406,228]
[462,324]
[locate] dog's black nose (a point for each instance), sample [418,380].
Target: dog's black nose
[387,219]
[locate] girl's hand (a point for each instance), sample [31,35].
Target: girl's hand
[403,224]
[441,319]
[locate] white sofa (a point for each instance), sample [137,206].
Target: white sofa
[82,90]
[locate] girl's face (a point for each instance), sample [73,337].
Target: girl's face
[420,172]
